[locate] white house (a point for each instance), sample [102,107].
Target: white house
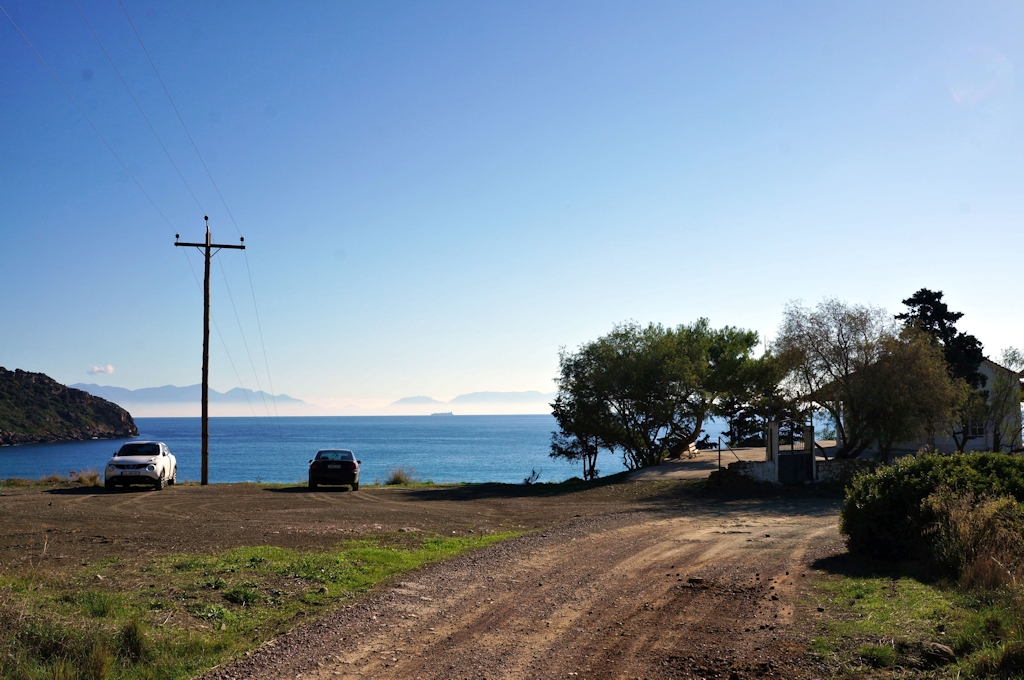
[1001,428]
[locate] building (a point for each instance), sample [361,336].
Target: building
[998,428]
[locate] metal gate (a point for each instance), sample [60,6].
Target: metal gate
[795,467]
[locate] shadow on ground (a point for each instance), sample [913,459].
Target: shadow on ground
[305,489]
[855,566]
[97,490]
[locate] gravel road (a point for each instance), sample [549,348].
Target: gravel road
[716,592]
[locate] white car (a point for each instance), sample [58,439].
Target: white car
[142,463]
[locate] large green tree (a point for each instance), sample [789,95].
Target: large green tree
[908,391]
[826,351]
[963,354]
[758,398]
[646,391]
[881,383]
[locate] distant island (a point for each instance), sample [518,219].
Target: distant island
[446,413]
[35,408]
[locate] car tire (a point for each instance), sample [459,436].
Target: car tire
[312,484]
[109,485]
[174,478]
[355,487]
[159,484]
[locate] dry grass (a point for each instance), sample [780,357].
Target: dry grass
[86,478]
[400,475]
[980,539]
[74,478]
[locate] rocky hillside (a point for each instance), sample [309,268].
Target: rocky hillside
[36,408]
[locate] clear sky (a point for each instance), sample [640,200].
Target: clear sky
[437,196]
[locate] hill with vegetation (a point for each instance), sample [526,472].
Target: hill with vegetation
[36,408]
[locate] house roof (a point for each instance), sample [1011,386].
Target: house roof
[998,365]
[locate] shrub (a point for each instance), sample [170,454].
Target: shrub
[980,539]
[399,475]
[886,516]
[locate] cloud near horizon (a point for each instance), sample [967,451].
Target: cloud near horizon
[100,369]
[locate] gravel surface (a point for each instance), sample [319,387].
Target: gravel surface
[711,591]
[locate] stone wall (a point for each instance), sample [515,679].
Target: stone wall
[756,470]
[841,470]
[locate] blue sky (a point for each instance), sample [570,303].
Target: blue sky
[437,196]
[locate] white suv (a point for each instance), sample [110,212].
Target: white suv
[142,463]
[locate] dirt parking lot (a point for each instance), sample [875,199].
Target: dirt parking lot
[637,579]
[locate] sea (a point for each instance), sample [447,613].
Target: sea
[443,448]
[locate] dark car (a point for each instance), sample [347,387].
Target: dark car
[334,466]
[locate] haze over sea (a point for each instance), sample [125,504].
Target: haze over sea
[502,448]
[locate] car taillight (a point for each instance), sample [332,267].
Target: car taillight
[314,466]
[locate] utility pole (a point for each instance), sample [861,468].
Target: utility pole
[208,249]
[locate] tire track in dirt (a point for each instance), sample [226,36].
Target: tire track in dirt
[627,595]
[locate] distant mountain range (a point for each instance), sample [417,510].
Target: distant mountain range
[174,401]
[171,394]
[528,397]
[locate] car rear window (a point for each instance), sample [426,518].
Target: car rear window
[335,455]
[139,450]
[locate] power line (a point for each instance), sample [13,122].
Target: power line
[209,174]
[224,344]
[139,106]
[231,297]
[259,326]
[87,119]
[125,167]
[178,114]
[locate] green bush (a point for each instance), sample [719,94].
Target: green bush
[886,515]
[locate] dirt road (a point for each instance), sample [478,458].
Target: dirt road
[710,591]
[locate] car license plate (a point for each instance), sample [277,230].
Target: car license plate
[133,472]
[334,467]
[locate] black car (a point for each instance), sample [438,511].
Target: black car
[334,466]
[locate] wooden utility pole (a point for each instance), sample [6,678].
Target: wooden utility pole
[209,250]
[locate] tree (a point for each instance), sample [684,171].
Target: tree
[758,398]
[908,390]
[723,368]
[581,416]
[964,353]
[826,351]
[645,391]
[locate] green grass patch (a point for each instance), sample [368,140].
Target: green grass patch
[891,619]
[877,656]
[176,616]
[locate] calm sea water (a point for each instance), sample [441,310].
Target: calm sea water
[438,448]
